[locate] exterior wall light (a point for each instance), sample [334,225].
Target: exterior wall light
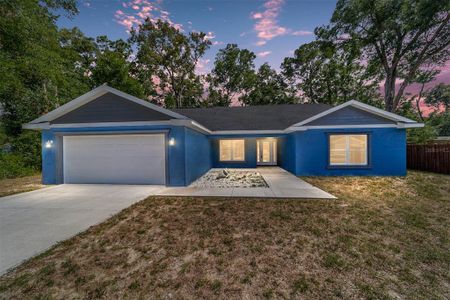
[171,141]
[49,144]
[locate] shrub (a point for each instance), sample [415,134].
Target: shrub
[13,165]
[28,145]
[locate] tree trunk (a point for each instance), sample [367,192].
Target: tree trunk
[418,102]
[389,92]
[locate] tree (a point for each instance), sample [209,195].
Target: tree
[326,72]
[112,66]
[267,88]
[400,36]
[439,96]
[166,60]
[79,50]
[36,76]
[422,77]
[233,74]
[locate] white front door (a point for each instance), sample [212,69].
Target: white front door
[119,159]
[266,151]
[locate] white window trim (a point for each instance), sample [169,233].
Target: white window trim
[232,151]
[347,150]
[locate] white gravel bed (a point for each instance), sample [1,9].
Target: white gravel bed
[226,178]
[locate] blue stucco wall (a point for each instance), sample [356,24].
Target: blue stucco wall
[49,166]
[286,153]
[193,154]
[387,153]
[180,172]
[197,155]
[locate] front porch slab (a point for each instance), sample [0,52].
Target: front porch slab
[281,184]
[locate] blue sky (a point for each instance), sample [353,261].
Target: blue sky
[272,28]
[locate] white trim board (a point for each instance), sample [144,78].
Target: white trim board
[198,127]
[174,122]
[94,94]
[398,125]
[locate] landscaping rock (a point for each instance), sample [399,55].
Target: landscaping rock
[226,178]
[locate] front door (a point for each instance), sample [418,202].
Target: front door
[266,151]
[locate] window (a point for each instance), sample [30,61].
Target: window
[348,149]
[232,150]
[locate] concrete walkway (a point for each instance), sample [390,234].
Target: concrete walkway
[32,222]
[282,184]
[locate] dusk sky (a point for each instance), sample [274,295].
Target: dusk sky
[272,29]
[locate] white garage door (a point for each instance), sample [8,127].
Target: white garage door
[122,159]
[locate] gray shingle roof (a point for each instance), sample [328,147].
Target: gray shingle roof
[261,117]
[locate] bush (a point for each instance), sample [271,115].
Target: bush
[421,135]
[28,146]
[13,165]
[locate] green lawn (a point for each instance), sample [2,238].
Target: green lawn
[20,185]
[384,238]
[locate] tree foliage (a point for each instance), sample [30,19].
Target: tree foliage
[36,76]
[268,87]
[166,60]
[327,72]
[439,97]
[113,67]
[233,75]
[399,36]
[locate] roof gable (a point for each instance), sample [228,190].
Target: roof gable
[350,115]
[94,94]
[110,107]
[364,107]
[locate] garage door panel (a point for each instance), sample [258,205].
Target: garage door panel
[126,159]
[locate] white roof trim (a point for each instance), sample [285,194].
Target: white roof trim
[94,94]
[360,105]
[399,125]
[173,122]
[198,127]
[230,132]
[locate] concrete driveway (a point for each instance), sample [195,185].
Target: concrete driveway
[32,222]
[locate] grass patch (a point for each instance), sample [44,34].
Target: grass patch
[20,185]
[386,237]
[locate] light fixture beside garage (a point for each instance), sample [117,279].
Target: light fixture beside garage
[171,141]
[49,144]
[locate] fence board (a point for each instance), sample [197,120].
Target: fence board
[429,157]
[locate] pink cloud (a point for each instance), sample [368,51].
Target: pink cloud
[257,16]
[141,10]
[267,26]
[263,53]
[202,66]
[209,35]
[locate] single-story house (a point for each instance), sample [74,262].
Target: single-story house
[107,136]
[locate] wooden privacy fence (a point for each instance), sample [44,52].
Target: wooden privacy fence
[429,157]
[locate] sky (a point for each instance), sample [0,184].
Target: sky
[272,29]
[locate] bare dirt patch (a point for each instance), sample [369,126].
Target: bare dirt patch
[20,185]
[383,238]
